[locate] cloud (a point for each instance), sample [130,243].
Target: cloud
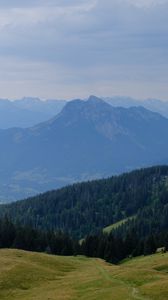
[70,48]
[147,3]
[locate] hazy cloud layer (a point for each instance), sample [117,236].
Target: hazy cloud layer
[74,48]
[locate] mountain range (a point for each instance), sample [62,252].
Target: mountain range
[86,140]
[154,105]
[27,112]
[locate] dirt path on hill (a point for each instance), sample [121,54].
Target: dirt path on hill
[134,292]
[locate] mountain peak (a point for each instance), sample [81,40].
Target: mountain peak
[90,107]
[94,99]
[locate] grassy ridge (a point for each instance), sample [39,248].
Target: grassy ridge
[33,276]
[114,226]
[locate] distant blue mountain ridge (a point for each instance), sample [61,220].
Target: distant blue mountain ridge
[28,111]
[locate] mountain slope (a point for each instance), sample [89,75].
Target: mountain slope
[88,139]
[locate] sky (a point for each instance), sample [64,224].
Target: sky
[65,49]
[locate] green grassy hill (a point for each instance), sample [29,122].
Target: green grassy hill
[34,276]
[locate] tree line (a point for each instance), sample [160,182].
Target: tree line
[30,239]
[109,247]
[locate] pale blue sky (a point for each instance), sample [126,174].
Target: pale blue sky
[74,48]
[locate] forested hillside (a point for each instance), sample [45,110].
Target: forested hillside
[86,208]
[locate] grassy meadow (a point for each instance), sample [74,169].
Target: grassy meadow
[34,276]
